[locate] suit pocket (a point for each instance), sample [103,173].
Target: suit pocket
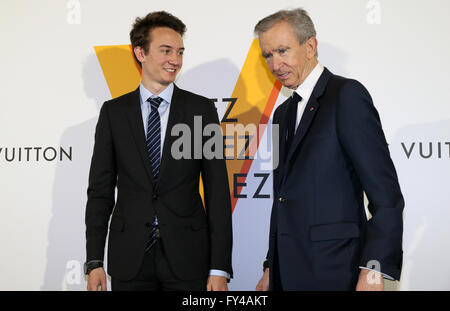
[117,224]
[335,231]
[334,250]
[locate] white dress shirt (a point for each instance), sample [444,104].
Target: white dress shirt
[305,90]
[163,109]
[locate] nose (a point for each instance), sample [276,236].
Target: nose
[276,63]
[175,59]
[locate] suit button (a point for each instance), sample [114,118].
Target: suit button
[155,197]
[282,200]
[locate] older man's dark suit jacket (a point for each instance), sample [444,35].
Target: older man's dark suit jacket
[319,233]
[195,239]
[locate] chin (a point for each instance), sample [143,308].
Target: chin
[293,85]
[168,80]
[288,85]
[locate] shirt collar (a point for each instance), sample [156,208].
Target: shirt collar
[166,94]
[305,89]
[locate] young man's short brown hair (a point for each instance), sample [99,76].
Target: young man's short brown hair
[140,33]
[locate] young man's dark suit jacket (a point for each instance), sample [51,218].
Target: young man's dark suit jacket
[194,241]
[319,229]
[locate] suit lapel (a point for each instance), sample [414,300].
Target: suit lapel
[175,116]
[310,111]
[134,117]
[305,123]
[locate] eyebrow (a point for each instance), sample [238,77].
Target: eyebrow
[266,54]
[281,48]
[170,47]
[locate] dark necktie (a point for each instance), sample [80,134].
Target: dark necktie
[154,152]
[154,135]
[291,119]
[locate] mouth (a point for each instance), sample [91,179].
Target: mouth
[170,70]
[283,76]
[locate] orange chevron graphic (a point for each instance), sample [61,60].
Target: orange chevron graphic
[122,73]
[256,91]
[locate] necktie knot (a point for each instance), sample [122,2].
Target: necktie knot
[155,102]
[296,98]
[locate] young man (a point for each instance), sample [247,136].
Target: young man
[332,148]
[161,237]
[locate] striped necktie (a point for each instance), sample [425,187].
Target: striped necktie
[154,152]
[154,135]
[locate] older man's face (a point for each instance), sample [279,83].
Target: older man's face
[287,59]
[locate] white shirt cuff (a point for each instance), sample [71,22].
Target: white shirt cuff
[384,275]
[219,273]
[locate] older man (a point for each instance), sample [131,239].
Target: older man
[332,149]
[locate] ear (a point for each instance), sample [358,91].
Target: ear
[139,52]
[311,47]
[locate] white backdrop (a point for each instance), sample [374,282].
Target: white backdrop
[52,87]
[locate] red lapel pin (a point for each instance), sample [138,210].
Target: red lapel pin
[311,109]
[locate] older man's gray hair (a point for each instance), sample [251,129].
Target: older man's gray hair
[297,18]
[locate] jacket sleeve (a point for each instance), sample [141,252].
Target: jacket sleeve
[276,162]
[362,138]
[217,202]
[102,182]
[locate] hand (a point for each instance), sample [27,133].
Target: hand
[263,284]
[216,283]
[96,278]
[370,281]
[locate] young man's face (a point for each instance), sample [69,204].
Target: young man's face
[165,56]
[287,59]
